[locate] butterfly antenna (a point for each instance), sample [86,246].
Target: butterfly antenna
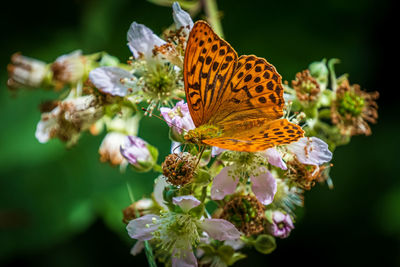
[161,118]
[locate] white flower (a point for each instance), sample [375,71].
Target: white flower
[112,80]
[178,232]
[144,44]
[311,151]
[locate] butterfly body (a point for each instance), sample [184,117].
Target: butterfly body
[203,132]
[235,102]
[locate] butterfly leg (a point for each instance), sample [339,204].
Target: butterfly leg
[202,148]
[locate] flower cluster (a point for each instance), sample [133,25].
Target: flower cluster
[208,203]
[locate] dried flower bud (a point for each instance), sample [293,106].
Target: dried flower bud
[179,168]
[69,118]
[69,68]
[353,109]
[305,176]
[140,207]
[246,213]
[307,88]
[25,71]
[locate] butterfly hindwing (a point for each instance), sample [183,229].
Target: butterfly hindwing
[255,91]
[208,67]
[257,135]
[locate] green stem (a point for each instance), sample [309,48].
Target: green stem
[157,168]
[149,254]
[331,67]
[147,247]
[211,10]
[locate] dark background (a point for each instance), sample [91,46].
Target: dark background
[62,207]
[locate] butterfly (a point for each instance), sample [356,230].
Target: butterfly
[236,103]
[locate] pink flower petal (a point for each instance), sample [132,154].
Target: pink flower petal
[142,228]
[108,80]
[137,248]
[186,202]
[311,151]
[183,258]
[142,40]
[159,185]
[264,187]
[220,229]
[215,151]
[275,158]
[223,184]
[165,113]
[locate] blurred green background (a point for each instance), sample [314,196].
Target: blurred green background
[62,207]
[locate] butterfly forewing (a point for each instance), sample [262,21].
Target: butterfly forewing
[208,68]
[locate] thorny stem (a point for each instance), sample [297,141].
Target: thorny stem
[211,10]
[147,247]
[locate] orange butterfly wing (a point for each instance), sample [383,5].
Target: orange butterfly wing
[256,135]
[244,97]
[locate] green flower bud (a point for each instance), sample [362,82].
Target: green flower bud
[108,60]
[265,244]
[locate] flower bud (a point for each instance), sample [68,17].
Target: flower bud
[265,244]
[139,154]
[320,72]
[280,224]
[137,209]
[110,148]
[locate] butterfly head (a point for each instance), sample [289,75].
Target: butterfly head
[202,132]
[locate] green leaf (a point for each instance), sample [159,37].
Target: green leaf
[236,257]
